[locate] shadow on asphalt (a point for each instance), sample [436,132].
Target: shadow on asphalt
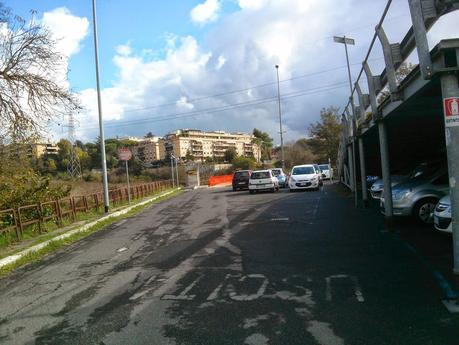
[330,274]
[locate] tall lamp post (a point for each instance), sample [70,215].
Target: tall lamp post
[346,40]
[99,107]
[280,119]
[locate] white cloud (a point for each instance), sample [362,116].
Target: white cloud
[206,12]
[124,50]
[68,30]
[251,4]
[241,52]
[184,104]
[221,61]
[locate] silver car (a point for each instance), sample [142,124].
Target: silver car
[442,215]
[418,197]
[420,170]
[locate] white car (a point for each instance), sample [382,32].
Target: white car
[262,180]
[442,215]
[327,171]
[304,177]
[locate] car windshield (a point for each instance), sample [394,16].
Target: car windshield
[276,172]
[241,174]
[423,171]
[324,167]
[260,175]
[303,171]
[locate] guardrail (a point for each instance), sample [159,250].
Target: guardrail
[39,214]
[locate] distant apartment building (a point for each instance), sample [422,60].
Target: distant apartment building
[199,145]
[34,150]
[150,150]
[39,150]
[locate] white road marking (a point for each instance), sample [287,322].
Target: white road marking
[183,295]
[323,334]
[256,339]
[120,250]
[283,219]
[251,297]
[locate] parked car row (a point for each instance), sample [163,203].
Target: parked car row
[302,177]
[421,192]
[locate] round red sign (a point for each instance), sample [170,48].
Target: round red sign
[124,154]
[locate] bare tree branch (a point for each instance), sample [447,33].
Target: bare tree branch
[30,94]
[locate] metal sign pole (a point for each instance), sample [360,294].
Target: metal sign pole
[176,171]
[172,172]
[127,179]
[450,94]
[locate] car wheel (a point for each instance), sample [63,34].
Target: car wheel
[234,189]
[424,209]
[251,191]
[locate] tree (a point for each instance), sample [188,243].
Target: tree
[244,163]
[65,147]
[297,153]
[149,135]
[400,74]
[326,135]
[30,93]
[264,141]
[230,154]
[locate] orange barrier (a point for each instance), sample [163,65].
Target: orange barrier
[220,180]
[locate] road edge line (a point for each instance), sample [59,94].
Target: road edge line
[9,260]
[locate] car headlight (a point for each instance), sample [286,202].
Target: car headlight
[399,194]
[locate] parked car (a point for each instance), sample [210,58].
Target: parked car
[442,215]
[319,173]
[241,179]
[263,180]
[403,175]
[418,196]
[281,177]
[327,171]
[304,177]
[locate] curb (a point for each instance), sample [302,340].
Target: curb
[13,258]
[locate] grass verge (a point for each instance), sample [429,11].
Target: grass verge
[54,245]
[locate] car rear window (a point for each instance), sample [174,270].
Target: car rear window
[241,174]
[324,167]
[260,175]
[303,171]
[276,172]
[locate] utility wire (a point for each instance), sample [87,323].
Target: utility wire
[255,102]
[133,110]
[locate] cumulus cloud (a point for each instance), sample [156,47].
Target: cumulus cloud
[251,4]
[68,30]
[228,82]
[205,12]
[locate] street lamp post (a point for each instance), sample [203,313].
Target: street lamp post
[99,107]
[346,40]
[280,119]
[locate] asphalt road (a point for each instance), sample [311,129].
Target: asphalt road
[216,267]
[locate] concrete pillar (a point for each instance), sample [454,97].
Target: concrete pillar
[350,160]
[363,173]
[385,167]
[450,88]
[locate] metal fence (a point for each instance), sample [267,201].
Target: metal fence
[16,220]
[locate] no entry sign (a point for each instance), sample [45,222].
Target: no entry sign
[451,110]
[124,154]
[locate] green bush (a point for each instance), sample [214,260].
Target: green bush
[28,187]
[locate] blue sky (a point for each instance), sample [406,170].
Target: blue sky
[209,64]
[143,23]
